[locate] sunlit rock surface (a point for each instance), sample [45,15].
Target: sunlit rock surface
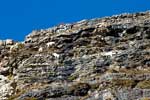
[99,59]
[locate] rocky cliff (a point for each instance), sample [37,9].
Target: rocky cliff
[99,59]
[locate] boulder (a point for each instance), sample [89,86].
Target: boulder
[9,42]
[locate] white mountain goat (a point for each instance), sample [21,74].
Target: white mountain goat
[110,53]
[41,49]
[56,55]
[49,44]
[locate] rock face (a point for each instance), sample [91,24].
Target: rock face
[98,59]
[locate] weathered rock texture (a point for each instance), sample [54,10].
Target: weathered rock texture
[99,59]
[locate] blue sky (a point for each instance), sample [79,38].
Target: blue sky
[19,17]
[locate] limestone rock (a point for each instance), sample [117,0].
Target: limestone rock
[99,59]
[9,42]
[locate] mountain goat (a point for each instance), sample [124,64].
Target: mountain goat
[41,49]
[111,53]
[56,55]
[49,44]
